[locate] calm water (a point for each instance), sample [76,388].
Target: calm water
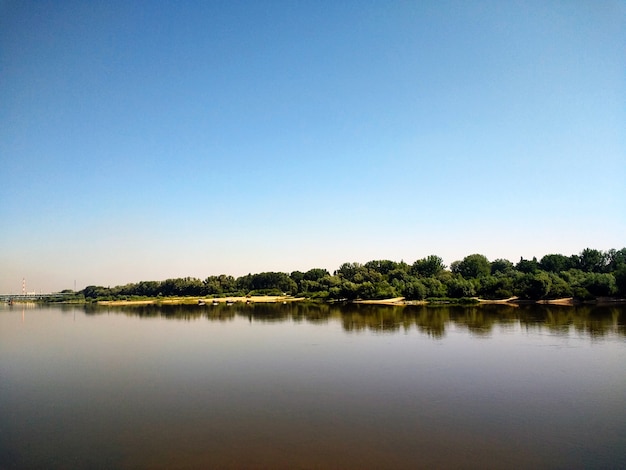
[295,386]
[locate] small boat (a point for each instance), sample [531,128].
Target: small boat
[201,302]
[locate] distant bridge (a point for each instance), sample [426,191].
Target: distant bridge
[33,296]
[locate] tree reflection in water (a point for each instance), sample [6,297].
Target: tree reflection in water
[433,321]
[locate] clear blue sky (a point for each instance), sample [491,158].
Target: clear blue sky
[148,140]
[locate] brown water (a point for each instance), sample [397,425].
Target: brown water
[296,386]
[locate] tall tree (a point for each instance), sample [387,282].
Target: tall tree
[555,263]
[527,266]
[473,266]
[591,261]
[383,266]
[616,259]
[315,274]
[353,272]
[428,267]
[502,266]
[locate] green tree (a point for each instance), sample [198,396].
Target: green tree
[414,289]
[500,265]
[527,266]
[558,288]
[555,263]
[458,287]
[329,282]
[428,267]
[383,266]
[315,274]
[348,290]
[620,280]
[616,259]
[95,292]
[273,282]
[398,275]
[244,283]
[600,284]
[473,266]
[384,290]
[591,261]
[533,285]
[353,272]
[497,286]
[308,287]
[227,283]
[434,287]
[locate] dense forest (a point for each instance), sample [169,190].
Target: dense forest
[585,276]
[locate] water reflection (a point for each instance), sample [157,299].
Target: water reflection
[312,386]
[435,322]
[592,321]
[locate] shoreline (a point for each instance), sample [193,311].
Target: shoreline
[396,301]
[267,299]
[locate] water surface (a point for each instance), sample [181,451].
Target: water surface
[312,386]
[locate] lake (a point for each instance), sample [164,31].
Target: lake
[312,386]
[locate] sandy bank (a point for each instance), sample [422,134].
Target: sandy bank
[268,299]
[565,301]
[199,300]
[510,301]
[394,301]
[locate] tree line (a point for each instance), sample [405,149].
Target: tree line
[585,276]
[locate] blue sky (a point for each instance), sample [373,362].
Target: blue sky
[148,140]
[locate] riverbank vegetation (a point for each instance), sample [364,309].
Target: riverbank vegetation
[589,275]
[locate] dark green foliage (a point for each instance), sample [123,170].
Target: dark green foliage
[533,286]
[275,281]
[354,272]
[620,280]
[495,287]
[414,289]
[503,266]
[329,281]
[428,267]
[616,259]
[381,266]
[559,288]
[527,266]
[348,290]
[434,287]
[555,263]
[187,286]
[383,290]
[399,275]
[95,292]
[458,287]
[585,276]
[473,266]
[218,285]
[591,261]
[600,284]
[315,274]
